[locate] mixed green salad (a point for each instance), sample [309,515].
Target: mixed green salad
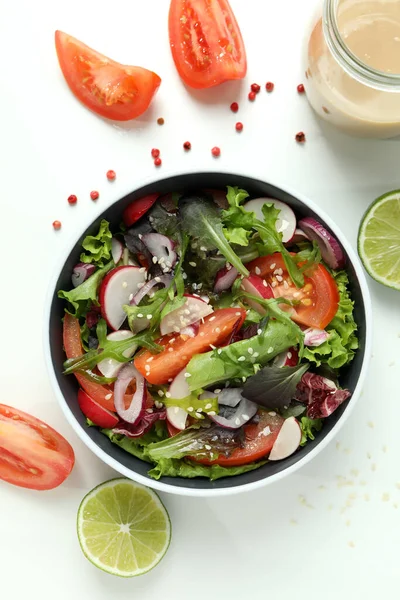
[208,332]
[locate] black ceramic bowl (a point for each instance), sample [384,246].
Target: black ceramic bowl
[66,387]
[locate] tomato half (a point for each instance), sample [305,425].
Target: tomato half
[318,299]
[259,439]
[179,349]
[32,454]
[206,43]
[73,348]
[112,90]
[136,209]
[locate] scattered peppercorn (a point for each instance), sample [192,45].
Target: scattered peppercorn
[72,199]
[94,195]
[300,88]
[255,88]
[216,151]
[252,96]
[57,225]
[111,175]
[234,107]
[239,126]
[155,153]
[300,137]
[187,145]
[157,161]
[160,121]
[269,86]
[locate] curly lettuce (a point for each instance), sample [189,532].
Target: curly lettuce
[98,247]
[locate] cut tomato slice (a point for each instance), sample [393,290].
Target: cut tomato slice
[318,300]
[73,348]
[179,349]
[32,454]
[112,90]
[136,209]
[206,43]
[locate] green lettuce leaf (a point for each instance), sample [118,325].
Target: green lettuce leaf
[340,348]
[242,359]
[308,428]
[81,297]
[274,387]
[98,247]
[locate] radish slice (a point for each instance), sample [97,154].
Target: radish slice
[288,440]
[136,408]
[162,249]
[117,250]
[109,367]
[164,280]
[224,279]
[299,236]
[233,418]
[228,396]
[315,337]
[290,358]
[286,222]
[257,286]
[81,272]
[331,250]
[116,289]
[178,389]
[192,311]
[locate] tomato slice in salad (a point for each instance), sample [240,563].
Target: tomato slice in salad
[103,395]
[136,209]
[206,43]
[32,454]
[318,298]
[179,349]
[108,88]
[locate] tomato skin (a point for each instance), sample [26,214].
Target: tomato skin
[73,348]
[32,454]
[168,363]
[217,54]
[108,88]
[136,209]
[320,291]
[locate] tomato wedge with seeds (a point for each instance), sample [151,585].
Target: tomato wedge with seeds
[179,349]
[32,454]
[206,43]
[318,298]
[73,348]
[108,88]
[136,209]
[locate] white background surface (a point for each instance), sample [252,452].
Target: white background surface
[307,537]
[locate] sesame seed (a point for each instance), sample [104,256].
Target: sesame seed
[246,417]
[168,263]
[217,391]
[272,413]
[188,375]
[203,248]
[265,284]
[169,381]
[149,317]
[214,438]
[158,279]
[140,236]
[186,311]
[150,359]
[201,334]
[207,447]
[190,409]
[289,355]
[170,349]
[124,284]
[259,331]
[279,278]
[238,314]
[167,395]
[250,350]
[149,410]
[140,315]
[274,283]
[212,413]
[217,329]
[272,267]
[212,319]
[241,358]
[237,421]
[108,396]
[130,297]
[208,406]
[172,340]
[199,286]
[258,270]
[219,350]
[285,285]
[155,260]
[142,269]
[270,349]
[256,354]
[212,347]
[160,393]
[184,276]
[193,264]
[244,378]
[161,260]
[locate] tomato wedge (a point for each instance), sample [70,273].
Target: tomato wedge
[179,349]
[32,454]
[73,348]
[112,90]
[136,209]
[318,299]
[206,43]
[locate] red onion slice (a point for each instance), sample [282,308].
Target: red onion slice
[331,250]
[224,279]
[298,236]
[117,250]
[81,272]
[315,337]
[164,279]
[136,408]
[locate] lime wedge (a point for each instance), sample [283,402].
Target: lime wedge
[379,240]
[123,528]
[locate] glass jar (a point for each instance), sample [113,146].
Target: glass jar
[352,66]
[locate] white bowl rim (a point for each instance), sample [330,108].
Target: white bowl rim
[228,491]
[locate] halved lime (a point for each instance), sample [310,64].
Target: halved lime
[379,240]
[123,528]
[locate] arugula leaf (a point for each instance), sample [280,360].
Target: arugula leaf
[98,246]
[164,222]
[81,297]
[274,387]
[241,359]
[201,220]
[308,428]
[311,255]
